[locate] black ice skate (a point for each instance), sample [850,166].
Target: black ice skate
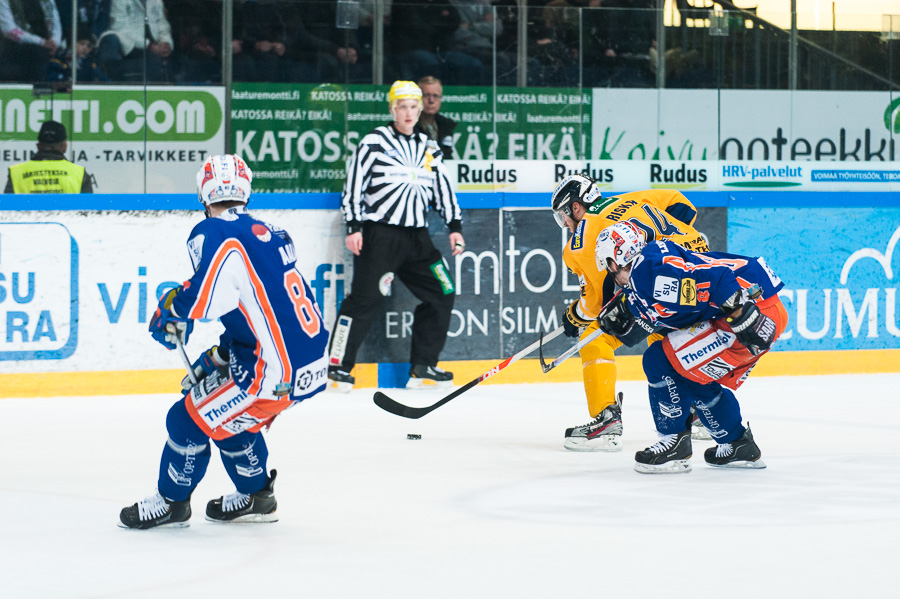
[698,431]
[670,455]
[742,453]
[156,512]
[238,507]
[340,380]
[604,433]
[421,377]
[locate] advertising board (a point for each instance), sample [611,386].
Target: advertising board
[131,139]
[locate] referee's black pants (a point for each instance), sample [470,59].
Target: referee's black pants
[410,254]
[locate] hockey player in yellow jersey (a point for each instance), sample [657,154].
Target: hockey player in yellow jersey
[578,206]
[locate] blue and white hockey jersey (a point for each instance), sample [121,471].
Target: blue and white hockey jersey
[245,274]
[675,288]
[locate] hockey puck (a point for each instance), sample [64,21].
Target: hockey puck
[412,437]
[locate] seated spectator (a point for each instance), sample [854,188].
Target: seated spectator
[365,35]
[632,36]
[91,18]
[138,31]
[197,32]
[421,32]
[551,51]
[477,32]
[60,67]
[31,33]
[555,45]
[436,126]
[260,41]
[322,52]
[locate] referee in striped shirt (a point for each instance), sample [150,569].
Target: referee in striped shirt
[393,177]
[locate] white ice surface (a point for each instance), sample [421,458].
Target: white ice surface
[487,504]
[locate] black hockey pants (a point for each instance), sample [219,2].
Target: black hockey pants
[411,256]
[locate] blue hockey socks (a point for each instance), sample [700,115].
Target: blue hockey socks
[185,456]
[244,456]
[671,396]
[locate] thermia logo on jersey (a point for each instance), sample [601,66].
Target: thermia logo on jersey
[699,343]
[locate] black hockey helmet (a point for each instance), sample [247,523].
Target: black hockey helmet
[574,188]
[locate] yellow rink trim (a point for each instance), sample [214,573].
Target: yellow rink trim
[133,382]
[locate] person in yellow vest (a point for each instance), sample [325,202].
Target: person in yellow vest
[48,171]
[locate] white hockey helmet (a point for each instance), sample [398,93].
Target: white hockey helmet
[574,188]
[621,243]
[224,178]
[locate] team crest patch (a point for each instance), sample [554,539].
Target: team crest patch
[262,233]
[195,249]
[666,289]
[688,293]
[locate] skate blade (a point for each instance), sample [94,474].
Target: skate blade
[339,387]
[700,435]
[742,465]
[607,443]
[428,384]
[248,519]
[168,525]
[673,467]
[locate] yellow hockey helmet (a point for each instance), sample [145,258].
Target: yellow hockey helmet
[404,90]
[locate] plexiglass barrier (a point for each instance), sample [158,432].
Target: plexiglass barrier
[145,94]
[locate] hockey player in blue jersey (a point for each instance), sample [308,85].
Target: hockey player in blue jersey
[719,313]
[270,357]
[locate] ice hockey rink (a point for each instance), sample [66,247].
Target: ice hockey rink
[486,504]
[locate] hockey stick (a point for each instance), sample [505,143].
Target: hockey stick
[394,407]
[581,342]
[568,353]
[184,358]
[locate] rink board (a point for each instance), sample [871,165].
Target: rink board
[140,382]
[78,285]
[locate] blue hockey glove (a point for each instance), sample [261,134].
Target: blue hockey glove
[165,326]
[753,329]
[619,322]
[209,361]
[572,322]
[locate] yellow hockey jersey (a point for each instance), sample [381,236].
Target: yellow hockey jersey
[658,213]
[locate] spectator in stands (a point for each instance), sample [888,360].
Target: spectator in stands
[48,171]
[421,37]
[197,32]
[552,42]
[436,126]
[31,33]
[60,67]
[476,33]
[366,34]
[322,52]
[138,31]
[260,41]
[632,37]
[91,18]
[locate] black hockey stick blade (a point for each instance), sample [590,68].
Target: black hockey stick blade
[544,365]
[395,407]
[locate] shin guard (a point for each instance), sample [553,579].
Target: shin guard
[244,457]
[184,457]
